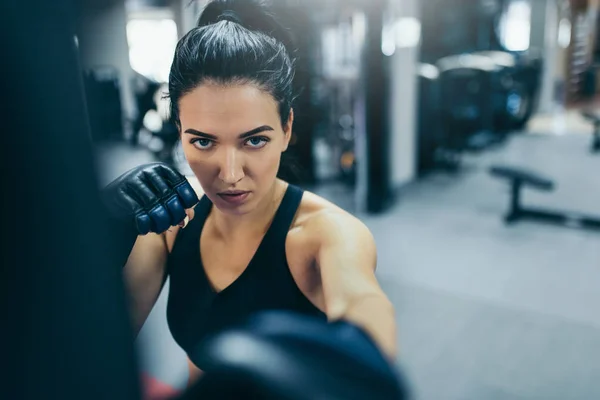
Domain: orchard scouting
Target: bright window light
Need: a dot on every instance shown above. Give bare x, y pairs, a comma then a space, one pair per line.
515, 26
564, 33
408, 32
152, 45
402, 33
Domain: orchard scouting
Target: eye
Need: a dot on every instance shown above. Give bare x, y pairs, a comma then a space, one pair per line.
257, 142
202, 144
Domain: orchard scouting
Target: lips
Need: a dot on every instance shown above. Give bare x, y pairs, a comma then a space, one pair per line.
233, 193
234, 197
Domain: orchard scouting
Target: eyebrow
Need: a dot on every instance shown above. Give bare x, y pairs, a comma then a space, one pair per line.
242, 136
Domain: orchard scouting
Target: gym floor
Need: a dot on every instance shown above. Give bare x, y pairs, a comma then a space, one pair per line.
485, 311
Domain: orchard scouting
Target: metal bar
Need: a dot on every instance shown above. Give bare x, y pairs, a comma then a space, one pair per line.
575, 220
515, 202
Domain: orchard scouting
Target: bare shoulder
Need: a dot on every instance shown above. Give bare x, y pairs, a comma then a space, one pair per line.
319, 220
171, 234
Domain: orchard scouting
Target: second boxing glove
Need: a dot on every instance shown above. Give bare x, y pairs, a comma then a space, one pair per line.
148, 198
152, 197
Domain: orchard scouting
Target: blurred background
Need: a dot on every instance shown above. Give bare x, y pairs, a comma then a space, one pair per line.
405, 107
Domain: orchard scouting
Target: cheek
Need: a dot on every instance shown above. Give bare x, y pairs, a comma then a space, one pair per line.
265, 164
199, 165
190, 152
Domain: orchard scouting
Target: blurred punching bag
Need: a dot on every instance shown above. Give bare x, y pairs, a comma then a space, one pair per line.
65, 330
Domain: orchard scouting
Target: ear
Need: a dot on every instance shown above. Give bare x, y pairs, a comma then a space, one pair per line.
287, 130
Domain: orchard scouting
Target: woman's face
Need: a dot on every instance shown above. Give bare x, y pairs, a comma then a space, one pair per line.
233, 139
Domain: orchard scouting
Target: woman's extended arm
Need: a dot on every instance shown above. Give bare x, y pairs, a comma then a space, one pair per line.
346, 257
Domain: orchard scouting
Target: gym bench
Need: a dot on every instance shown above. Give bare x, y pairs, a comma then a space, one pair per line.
519, 178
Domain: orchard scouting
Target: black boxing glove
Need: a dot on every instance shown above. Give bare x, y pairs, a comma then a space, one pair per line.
280, 355
148, 198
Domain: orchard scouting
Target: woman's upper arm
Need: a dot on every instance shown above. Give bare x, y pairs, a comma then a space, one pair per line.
146, 267
144, 275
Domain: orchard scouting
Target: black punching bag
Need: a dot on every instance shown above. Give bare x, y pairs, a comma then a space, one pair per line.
65, 330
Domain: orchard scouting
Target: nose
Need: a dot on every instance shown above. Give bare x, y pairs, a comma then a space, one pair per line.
231, 169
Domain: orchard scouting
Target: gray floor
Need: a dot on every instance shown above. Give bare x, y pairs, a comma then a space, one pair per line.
494, 312
485, 311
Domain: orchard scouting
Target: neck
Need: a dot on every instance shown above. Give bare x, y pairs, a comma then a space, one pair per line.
258, 220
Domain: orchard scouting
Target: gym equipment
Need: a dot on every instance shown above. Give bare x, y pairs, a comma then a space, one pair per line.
467, 83
469, 102
351, 79
483, 96
519, 178
594, 119
528, 73
512, 98
287, 356
66, 333
471, 27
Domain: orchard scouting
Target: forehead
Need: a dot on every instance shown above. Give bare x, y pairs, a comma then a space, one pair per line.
215, 109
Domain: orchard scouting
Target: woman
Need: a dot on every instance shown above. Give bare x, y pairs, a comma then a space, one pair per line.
254, 242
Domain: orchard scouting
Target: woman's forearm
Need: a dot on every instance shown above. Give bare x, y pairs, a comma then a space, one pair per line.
375, 314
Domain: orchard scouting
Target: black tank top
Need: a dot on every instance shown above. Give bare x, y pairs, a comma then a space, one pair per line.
195, 309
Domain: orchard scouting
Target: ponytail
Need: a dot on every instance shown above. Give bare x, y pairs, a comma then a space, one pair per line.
254, 15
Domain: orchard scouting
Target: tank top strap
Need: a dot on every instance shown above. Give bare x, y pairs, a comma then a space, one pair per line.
277, 233
202, 210
186, 245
